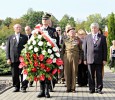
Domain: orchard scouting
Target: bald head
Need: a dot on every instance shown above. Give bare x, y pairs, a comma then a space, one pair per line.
17, 28
28, 30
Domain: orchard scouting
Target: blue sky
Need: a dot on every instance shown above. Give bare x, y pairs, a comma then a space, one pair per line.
79, 9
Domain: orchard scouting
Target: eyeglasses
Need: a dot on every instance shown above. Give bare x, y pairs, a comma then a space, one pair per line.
58, 30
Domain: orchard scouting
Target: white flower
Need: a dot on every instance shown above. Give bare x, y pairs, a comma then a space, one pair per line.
35, 49
43, 52
54, 60
34, 42
49, 51
39, 36
40, 43
51, 56
57, 54
48, 44
55, 49
32, 37
30, 47
29, 41
61, 67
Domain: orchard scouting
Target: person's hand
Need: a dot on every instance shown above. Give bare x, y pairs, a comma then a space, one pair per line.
85, 62
104, 62
8, 61
79, 61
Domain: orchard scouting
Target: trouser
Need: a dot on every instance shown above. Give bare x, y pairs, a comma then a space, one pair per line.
16, 72
112, 63
92, 68
82, 74
70, 70
44, 86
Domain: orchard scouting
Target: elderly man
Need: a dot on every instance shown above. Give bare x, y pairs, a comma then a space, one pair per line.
15, 44
95, 55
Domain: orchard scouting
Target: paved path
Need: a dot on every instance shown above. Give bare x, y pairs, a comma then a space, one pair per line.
60, 94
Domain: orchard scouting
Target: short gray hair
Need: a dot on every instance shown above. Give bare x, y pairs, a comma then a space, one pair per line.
94, 24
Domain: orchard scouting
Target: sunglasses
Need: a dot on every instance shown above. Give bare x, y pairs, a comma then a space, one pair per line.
58, 30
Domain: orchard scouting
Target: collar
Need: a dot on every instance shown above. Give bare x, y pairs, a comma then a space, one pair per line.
17, 34
95, 34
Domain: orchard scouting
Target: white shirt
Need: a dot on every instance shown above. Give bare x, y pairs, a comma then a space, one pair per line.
95, 38
17, 37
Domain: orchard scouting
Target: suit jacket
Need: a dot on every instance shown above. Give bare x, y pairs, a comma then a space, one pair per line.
13, 49
53, 34
95, 53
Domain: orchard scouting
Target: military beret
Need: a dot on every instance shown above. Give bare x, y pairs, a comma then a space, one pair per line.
72, 28
46, 16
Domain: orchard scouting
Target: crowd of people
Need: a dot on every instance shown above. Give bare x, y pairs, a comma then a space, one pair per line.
84, 57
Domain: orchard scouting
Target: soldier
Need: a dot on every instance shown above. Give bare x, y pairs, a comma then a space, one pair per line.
72, 56
44, 85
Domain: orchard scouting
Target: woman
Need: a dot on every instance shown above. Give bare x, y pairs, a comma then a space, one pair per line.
82, 68
112, 54
72, 55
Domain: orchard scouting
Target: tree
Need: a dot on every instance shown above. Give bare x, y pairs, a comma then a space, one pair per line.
111, 30
7, 21
92, 18
66, 20
32, 18
55, 22
80, 25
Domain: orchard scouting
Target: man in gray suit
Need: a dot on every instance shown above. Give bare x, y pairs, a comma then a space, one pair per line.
95, 55
15, 44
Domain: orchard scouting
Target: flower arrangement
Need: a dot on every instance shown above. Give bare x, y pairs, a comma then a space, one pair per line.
40, 59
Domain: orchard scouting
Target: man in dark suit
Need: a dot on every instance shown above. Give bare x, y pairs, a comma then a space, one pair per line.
95, 55
44, 85
15, 44
25, 82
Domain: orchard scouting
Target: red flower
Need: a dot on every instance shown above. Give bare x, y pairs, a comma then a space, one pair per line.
30, 61
35, 56
59, 62
36, 79
35, 63
42, 77
49, 61
25, 72
59, 71
47, 69
49, 78
38, 26
27, 55
22, 64
34, 70
21, 59
41, 57
42, 66
54, 71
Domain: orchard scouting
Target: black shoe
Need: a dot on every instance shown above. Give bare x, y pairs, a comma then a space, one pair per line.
100, 92
41, 94
92, 91
47, 95
16, 90
23, 90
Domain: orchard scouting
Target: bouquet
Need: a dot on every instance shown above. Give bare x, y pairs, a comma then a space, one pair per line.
40, 59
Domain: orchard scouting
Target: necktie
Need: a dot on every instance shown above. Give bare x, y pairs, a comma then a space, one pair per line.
94, 39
